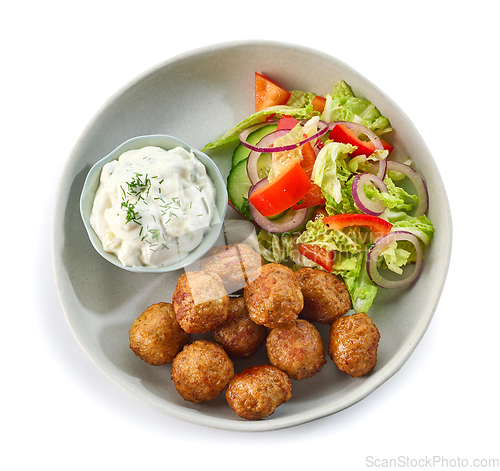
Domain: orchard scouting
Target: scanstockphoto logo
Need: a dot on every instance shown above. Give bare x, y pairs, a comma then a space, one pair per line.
436, 461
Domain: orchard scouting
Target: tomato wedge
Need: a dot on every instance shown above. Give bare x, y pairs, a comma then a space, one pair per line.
283, 192
268, 93
318, 103
314, 197
341, 133
308, 158
378, 226
323, 257
287, 122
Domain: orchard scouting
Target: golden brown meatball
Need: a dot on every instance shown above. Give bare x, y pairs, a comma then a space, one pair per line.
156, 336
297, 349
233, 263
353, 344
201, 371
200, 301
274, 298
325, 297
240, 336
256, 392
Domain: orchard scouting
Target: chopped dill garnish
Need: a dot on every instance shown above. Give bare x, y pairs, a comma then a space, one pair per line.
155, 234
131, 214
136, 187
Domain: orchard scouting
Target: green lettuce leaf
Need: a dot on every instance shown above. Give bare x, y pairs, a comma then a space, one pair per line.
342, 105
420, 226
300, 99
346, 205
362, 163
275, 248
328, 172
282, 248
256, 118
359, 285
395, 257
349, 240
401, 253
396, 197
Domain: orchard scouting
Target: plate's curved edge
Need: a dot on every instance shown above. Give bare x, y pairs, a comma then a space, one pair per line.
278, 423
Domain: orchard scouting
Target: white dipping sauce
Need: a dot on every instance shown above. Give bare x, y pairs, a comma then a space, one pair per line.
153, 206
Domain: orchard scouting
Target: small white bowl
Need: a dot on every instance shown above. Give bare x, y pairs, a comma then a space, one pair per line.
167, 143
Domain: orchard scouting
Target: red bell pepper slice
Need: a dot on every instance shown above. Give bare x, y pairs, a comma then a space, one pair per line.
283, 192
341, 133
323, 257
378, 226
268, 93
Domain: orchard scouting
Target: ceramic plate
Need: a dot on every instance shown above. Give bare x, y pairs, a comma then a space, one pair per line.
196, 97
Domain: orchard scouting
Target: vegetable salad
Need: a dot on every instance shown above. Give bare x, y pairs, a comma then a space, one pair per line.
316, 175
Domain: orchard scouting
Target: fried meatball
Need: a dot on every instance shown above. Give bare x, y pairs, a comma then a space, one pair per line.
201, 371
353, 344
297, 349
256, 392
240, 336
274, 298
233, 263
325, 297
156, 336
200, 301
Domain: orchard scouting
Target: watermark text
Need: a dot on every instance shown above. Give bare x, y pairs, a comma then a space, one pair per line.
436, 461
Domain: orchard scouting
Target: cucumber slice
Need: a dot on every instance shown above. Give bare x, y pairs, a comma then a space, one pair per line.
278, 216
241, 152
264, 165
238, 185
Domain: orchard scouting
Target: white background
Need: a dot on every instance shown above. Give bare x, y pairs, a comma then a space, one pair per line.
62, 60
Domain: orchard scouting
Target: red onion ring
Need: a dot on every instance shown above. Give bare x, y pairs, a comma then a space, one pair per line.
382, 168
253, 158
290, 221
365, 204
244, 134
418, 183
376, 250
377, 143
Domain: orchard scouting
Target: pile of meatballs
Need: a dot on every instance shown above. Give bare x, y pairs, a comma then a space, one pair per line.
278, 307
